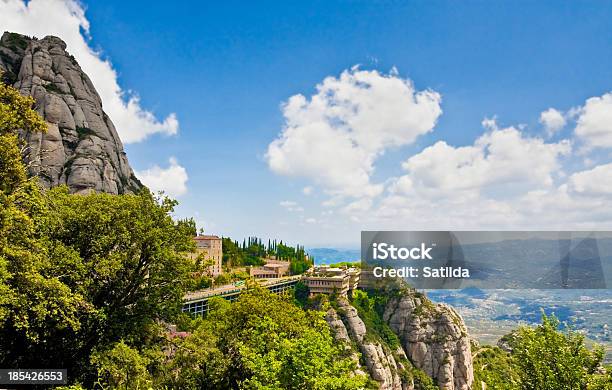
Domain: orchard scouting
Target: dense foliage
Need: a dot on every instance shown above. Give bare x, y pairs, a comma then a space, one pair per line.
253, 252
370, 309
550, 359
301, 293
78, 273
235, 255
496, 368
542, 358
262, 341
109, 268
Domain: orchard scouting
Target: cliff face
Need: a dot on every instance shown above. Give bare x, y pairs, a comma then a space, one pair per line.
434, 343
81, 147
379, 361
434, 337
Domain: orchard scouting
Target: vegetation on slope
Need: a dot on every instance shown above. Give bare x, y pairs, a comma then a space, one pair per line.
542, 358
370, 308
78, 273
495, 368
262, 341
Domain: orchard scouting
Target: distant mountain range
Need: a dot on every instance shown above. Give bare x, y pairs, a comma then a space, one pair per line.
332, 255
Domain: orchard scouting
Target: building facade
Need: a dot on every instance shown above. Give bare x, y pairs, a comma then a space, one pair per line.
210, 248
327, 280
273, 269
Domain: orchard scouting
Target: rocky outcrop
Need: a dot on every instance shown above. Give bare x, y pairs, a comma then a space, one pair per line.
433, 342
341, 336
434, 338
378, 360
81, 147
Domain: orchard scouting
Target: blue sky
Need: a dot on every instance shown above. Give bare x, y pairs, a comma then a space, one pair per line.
225, 68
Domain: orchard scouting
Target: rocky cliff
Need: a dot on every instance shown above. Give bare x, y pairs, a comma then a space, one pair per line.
81, 147
434, 345
434, 338
378, 359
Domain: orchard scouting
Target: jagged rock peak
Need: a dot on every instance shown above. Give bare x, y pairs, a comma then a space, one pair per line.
81, 147
434, 337
378, 360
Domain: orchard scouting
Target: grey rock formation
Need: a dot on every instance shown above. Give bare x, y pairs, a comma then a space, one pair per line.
379, 361
81, 147
434, 337
337, 326
341, 335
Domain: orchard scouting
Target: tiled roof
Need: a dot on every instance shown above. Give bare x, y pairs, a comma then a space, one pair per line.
206, 237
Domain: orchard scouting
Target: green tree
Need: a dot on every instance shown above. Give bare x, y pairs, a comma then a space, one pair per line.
601, 381
495, 368
301, 292
128, 262
263, 341
34, 303
548, 359
18, 196
79, 273
253, 252
109, 268
121, 367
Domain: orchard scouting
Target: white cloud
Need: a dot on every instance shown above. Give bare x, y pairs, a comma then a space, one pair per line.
310, 220
552, 120
360, 205
66, 19
290, 205
594, 123
172, 180
335, 136
596, 181
501, 160
506, 178
307, 190
546, 209
564, 209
